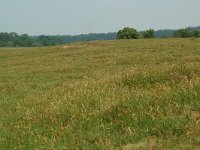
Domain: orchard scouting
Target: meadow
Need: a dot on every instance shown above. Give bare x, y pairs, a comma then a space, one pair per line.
121, 94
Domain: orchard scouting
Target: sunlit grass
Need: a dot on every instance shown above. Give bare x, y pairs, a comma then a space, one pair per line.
134, 94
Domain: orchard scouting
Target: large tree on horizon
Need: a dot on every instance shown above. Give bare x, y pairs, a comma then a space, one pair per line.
127, 33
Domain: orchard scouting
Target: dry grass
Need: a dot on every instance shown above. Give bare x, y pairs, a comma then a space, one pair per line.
135, 94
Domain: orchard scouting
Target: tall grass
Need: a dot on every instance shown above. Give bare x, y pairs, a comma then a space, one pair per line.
136, 94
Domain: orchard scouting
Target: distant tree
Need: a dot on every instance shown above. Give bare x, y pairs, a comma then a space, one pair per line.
127, 33
149, 34
24, 40
183, 33
196, 33
13, 36
36, 44
4, 37
2, 44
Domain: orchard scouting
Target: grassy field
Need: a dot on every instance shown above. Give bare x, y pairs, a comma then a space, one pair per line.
134, 94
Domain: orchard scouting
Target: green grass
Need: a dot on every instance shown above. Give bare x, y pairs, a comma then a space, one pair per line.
125, 94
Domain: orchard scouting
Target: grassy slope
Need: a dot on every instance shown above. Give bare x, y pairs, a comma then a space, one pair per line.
101, 95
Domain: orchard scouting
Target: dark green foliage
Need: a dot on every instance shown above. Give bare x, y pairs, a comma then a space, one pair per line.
164, 33
197, 33
187, 32
127, 33
24, 40
15, 40
183, 33
148, 34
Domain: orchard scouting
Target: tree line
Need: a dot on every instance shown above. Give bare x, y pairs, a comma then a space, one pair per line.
15, 40
132, 33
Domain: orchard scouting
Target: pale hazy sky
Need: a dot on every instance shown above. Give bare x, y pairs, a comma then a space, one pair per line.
37, 17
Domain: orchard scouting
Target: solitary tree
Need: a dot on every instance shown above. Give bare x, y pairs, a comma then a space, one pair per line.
127, 33
149, 33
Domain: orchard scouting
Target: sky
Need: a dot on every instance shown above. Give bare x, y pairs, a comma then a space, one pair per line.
72, 17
